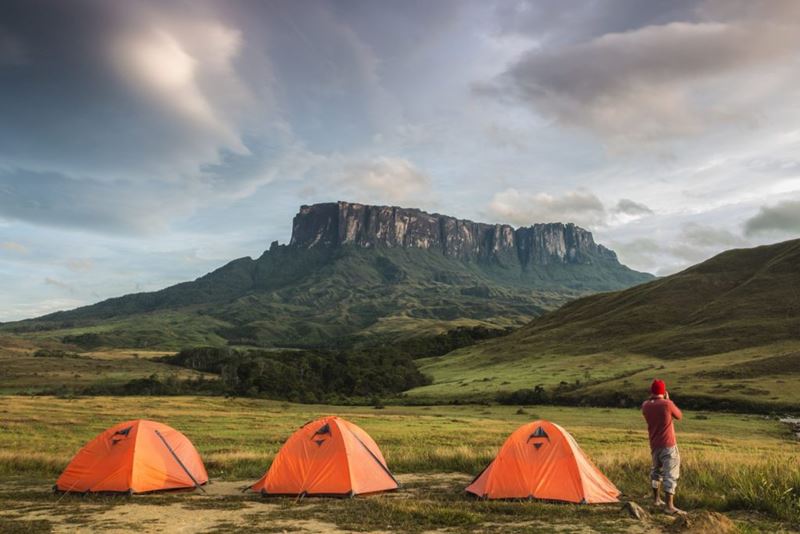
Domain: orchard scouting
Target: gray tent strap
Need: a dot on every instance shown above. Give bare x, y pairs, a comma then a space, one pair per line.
180, 463
386, 469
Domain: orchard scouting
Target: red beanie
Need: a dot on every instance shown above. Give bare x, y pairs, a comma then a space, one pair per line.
658, 387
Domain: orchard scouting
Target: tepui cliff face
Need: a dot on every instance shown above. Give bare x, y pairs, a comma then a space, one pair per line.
344, 223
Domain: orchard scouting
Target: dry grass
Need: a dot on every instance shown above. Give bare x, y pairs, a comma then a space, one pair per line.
730, 462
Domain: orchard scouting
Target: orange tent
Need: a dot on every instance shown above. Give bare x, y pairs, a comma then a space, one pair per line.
136, 457
541, 460
329, 456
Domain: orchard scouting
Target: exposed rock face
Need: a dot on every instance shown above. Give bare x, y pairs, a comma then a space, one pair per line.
344, 223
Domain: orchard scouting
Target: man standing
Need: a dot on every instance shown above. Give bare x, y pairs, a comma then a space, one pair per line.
659, 413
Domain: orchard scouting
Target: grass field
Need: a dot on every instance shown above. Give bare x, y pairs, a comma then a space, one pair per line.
752, 375
741, 465
724, 333
23, 372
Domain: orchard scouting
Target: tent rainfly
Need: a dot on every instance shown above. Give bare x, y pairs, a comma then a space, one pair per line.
136, 456
541, 460
327, 457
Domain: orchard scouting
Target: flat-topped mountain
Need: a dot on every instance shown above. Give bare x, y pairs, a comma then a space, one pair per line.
345, 223
351, 272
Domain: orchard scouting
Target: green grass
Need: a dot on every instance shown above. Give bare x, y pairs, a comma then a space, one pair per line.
731, 462
724, 331
21, 372
479, 372
744, 376
164, 330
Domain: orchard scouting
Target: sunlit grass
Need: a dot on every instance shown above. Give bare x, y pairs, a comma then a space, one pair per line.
730, 461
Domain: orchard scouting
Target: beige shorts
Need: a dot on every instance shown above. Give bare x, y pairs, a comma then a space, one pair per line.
666, 468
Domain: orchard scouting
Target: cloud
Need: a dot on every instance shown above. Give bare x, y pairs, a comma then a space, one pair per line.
160, 109
13, 246
11, 50
783, 217
693, 243
580, 207
185, 71
642, 252
559, 23
26, 308
108, 207
658, 82
80, 265
699, 235
524, 209
123, 90
59, 284
382, 179
629, 207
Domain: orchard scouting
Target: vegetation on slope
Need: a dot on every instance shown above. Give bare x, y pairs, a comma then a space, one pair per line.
353, 374
725, 332
738, 299
296, 297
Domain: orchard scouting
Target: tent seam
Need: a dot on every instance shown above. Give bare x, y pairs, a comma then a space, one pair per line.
372, 454
346, 454
574, 458
133, 455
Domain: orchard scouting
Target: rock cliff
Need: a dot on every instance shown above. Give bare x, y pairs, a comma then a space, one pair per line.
344, 223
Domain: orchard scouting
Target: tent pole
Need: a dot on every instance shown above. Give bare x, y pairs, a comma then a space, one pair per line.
164, 441
377, 461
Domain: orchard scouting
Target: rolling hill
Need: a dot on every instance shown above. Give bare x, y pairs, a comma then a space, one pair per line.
353, 272
725, 331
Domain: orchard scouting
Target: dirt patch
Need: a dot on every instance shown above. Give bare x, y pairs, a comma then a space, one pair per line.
703, 523
178, 517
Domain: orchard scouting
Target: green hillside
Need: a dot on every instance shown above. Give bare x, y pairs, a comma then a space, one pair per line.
727, 329
295, 296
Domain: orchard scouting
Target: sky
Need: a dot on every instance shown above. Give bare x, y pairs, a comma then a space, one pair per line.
145, 143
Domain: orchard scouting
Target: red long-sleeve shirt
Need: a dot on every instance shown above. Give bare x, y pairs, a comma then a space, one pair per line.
659, 414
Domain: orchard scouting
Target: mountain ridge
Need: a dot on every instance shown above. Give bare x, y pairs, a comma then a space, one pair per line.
384, 273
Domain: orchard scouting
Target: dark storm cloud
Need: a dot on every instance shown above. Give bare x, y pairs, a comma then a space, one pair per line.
556, 22
133, 97
11, 50
783, 217
629, 207
657, 81
116, 88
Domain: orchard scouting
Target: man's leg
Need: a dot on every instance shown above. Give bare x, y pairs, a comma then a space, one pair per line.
671, 461
655, 477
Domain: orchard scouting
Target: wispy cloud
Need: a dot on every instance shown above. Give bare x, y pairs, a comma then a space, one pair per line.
781, 218
13, 246
581, 207
59, 284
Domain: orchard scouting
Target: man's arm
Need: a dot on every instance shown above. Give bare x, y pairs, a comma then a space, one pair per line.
675, 411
